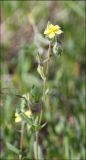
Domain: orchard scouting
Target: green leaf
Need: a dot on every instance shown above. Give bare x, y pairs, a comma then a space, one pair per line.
38, 58
46, 91
40, 156
12, 148
66, 146
36, 93
30, 80
23, 102
57, 48
36, 120
40, 70
43, 125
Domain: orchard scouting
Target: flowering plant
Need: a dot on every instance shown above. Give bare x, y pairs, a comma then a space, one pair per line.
52, 30
25, 113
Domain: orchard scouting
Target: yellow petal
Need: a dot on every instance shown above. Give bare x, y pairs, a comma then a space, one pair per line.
16, 114
51, 35
57, 26
59, 32
18, 119
48, 29
55, 29
52, 30
50, 26
28, 113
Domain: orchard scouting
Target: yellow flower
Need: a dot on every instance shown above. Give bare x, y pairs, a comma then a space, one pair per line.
28, 113
52, 30
19, 119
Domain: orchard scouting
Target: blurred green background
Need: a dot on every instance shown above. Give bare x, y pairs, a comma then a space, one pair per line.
63, 138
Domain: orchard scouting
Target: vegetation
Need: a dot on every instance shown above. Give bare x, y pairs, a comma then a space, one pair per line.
42, 80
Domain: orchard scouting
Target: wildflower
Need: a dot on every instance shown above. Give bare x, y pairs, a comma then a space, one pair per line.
18, 117
52, 30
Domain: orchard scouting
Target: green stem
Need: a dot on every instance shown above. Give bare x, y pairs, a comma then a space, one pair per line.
21, 140
36, 145
48, 59
40, 117
41, 112
44, 84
